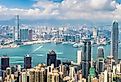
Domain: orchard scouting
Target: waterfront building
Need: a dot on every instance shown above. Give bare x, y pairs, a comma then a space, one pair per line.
24, 34
114, 41
30, 34
79, 56
4, 62
27, 62
51, 58
4, 65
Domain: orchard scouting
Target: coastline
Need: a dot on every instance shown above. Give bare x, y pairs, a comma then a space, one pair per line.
23, 44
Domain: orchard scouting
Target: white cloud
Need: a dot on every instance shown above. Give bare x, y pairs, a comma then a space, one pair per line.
68, 9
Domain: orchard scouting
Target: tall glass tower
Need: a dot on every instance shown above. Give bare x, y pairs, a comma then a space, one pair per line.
114, 41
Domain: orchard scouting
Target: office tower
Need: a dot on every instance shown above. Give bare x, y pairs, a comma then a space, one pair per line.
100, 52
30, 34
14, 33
89, 54
114, 41
18, 29
24, 34
95, 33
4, 65
100, 60
4, 62
27, 62
51, 58
79, 56
86, 59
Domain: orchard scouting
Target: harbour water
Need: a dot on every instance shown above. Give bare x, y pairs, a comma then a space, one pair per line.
39, 52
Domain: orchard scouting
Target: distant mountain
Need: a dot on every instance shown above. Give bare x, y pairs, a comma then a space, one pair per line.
55, 22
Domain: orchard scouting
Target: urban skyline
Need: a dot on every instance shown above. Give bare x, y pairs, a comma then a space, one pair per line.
60, 41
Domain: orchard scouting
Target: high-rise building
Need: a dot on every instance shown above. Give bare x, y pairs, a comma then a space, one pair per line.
114, 41
86, 59
79, 56
4, 65
24, 77
30, 34
100, 52
4, 62
18, 29
27, 62
53, 76
95, 33
89, 54
100, 60
51, 58
24, 34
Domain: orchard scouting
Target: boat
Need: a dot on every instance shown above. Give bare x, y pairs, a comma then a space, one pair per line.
77, 45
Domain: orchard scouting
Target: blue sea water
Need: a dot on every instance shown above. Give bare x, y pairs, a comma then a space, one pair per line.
38, 52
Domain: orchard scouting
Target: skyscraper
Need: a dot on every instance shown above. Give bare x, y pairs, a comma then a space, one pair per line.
24, 34
4, 65
114, 41
100, 52
79, 56
4, 62
86, 59
51, 58
27, 62
100, 60
17, 17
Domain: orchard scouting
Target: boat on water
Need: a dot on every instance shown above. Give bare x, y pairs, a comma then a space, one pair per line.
64, 43
77, 45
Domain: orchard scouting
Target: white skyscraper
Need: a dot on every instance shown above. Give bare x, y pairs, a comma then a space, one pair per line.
79, 56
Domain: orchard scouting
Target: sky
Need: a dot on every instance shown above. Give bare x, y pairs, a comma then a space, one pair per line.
64, 10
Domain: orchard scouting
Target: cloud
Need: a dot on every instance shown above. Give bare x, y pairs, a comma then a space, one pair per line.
93, 10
